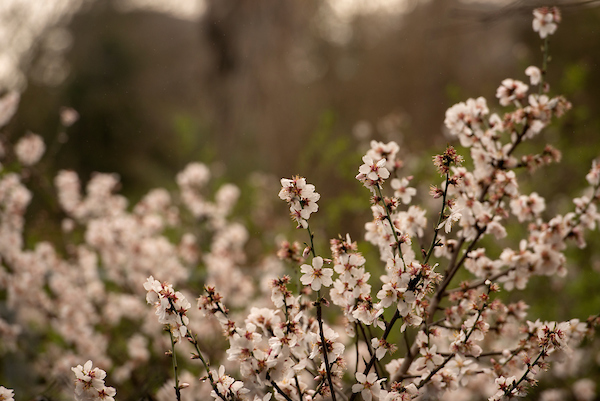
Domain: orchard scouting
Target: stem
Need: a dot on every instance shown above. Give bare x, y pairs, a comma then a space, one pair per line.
544, 65
192, 339
436, 301
357, 354
312, 245
320, 322
177, 389
437, 230
449, 357
452, 272
370, 348
339, 392
278, 389
406, 342
298, 386
512, 148
388, 329
508, 391
378, 366
411, 351
434, 371
481, 282
323, 343
389, 218
198, 355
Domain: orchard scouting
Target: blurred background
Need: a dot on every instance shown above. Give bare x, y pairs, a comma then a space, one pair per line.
282, 88
254, 85
262, 89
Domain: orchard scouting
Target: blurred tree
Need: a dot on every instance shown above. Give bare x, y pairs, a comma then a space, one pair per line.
246, 86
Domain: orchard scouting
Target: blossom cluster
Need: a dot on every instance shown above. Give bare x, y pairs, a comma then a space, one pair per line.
546, 20
301, 197
89, 384
171, 306
80, 288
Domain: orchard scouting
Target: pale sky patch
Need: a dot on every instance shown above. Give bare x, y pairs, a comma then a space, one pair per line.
183, 9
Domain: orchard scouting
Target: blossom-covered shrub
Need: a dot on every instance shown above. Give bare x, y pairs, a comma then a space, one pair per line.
313, 323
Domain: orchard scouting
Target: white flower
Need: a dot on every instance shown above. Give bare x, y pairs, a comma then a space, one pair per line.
334, 349
30, 149
8, 107
88, 377
402, 190
301, 197
6, 394
584, 390
372, 173
89, 384
430, 359
348, 263
368, 386
534, 74
544, 21
593, 177
455, 215
381, 347
194, 175
527, 207
387, 151
316, 275
505, 387
511, 90
171, 307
